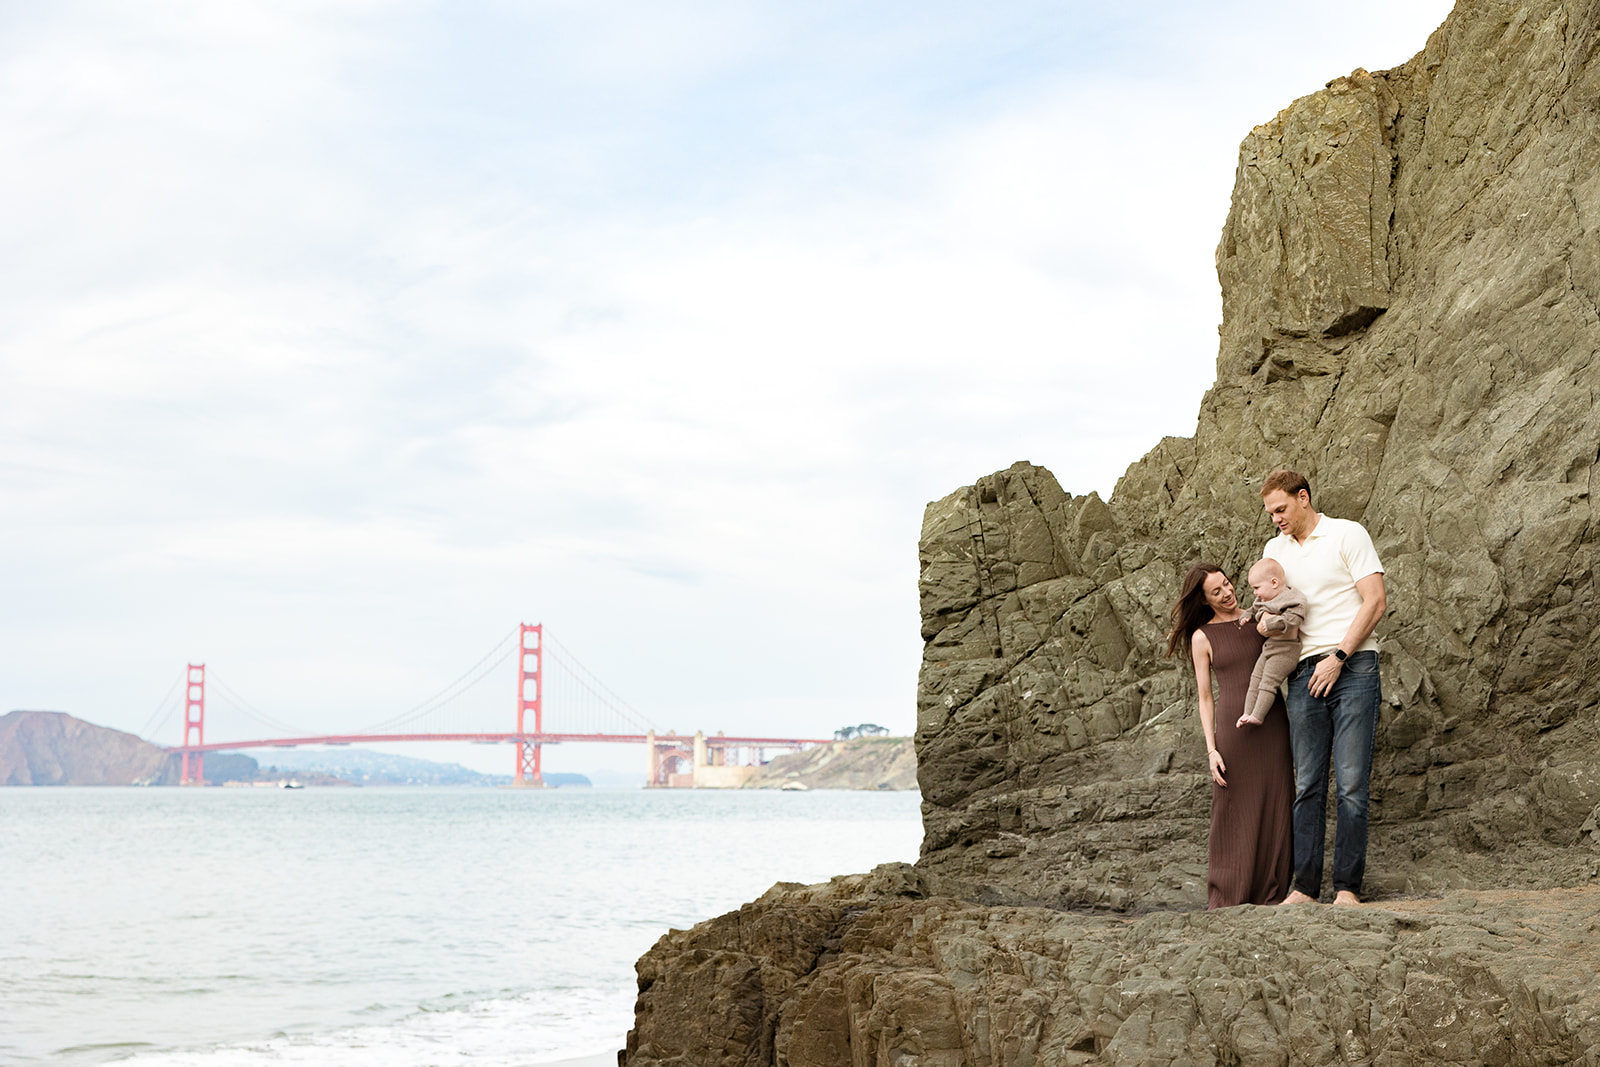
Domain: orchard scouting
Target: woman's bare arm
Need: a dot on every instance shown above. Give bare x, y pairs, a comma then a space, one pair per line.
1200, 652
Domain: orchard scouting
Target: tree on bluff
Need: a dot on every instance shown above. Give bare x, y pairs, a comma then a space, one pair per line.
866, 729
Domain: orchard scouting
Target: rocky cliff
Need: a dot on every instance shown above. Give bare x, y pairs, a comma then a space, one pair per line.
860, 763
1411, 313
867, 970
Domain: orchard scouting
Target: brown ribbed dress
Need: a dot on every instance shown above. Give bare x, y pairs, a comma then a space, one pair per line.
1252, 838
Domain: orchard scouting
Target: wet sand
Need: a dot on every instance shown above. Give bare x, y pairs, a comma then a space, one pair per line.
599, 1059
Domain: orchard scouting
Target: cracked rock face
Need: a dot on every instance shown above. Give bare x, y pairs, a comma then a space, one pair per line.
864, 971
1411, 297
1411, 275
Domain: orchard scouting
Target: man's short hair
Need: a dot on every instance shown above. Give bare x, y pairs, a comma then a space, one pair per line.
1291, 482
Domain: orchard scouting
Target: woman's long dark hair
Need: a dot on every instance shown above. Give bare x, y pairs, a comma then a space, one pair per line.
1191, 611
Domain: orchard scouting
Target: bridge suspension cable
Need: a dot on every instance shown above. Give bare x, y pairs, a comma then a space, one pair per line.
230, 696
601, 697
456, 689
167, 705
567, 690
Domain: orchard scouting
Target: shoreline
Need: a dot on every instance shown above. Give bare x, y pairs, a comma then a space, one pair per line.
598, 1059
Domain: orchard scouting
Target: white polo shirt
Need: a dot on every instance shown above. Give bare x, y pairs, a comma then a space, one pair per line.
1336, 554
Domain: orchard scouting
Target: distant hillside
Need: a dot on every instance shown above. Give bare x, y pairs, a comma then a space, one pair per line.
365, 767
53, 748
863, 763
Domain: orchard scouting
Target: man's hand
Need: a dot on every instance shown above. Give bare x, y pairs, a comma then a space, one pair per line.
1326, 673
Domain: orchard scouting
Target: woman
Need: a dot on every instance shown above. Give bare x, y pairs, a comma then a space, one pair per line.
1252, 772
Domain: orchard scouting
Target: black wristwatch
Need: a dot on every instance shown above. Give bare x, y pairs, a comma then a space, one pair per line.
1340, 654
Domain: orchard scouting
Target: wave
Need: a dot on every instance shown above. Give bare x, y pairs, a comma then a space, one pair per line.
514, 1031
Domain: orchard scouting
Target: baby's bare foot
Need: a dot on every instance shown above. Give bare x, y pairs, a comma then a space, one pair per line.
1247, 720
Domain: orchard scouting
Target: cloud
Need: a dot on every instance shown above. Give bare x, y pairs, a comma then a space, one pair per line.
339, 337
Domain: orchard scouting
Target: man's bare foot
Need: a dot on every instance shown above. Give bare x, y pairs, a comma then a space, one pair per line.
1347, 898
1298, 897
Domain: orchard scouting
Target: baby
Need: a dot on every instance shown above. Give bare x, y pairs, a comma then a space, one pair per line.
1284, 611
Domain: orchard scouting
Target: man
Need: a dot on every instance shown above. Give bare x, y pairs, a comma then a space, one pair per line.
1333, 692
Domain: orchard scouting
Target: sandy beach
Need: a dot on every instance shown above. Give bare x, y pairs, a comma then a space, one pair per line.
599, 1059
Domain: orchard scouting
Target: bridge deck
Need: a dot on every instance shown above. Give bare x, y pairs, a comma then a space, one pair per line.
717, 741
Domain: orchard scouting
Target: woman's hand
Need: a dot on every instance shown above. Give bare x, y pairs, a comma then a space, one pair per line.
1218, 768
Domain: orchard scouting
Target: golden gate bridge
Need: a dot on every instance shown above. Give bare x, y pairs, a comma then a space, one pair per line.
580, 701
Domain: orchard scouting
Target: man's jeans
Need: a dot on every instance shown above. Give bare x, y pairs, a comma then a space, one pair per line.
1340, 724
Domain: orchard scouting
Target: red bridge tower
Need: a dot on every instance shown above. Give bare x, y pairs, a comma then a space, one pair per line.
530, 678
194, 723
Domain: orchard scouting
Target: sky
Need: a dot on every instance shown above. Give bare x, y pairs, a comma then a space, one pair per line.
339, 337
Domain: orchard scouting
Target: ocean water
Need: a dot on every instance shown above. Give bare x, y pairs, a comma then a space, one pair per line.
401, 927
